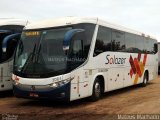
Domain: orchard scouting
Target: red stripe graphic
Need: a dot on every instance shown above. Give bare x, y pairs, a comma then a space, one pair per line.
131, 73
145, 59
139, 57
136, 66
133, 68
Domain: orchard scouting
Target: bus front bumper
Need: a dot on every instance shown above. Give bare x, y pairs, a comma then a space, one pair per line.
42, 92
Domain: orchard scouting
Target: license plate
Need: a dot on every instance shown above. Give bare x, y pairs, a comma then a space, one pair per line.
33, 95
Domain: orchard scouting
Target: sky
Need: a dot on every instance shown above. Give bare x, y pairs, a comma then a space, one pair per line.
140, 15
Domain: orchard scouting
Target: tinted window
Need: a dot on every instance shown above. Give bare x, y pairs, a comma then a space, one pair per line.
130, 42
2, 36
152, 43
103, 41
87, 36
139, 44
77, 46
41, 53
149, 45
12, 42
118, 43
114, 40
10, 46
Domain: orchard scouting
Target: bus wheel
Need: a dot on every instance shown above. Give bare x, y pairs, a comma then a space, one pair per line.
145, 80
97, 90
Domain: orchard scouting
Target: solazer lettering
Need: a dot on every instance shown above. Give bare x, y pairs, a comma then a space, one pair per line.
114, 60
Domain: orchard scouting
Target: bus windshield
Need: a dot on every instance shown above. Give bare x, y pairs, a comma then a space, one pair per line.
2, 36
9, 35
41, 53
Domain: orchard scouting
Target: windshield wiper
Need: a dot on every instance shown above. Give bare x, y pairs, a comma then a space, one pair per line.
38, 53
29, 59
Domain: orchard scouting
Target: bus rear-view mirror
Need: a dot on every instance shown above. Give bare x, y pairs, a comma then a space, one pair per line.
68, 37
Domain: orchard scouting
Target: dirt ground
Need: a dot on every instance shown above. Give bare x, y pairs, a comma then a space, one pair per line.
132, 100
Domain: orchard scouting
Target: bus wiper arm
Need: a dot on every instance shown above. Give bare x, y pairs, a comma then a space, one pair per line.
30, 58
37, 56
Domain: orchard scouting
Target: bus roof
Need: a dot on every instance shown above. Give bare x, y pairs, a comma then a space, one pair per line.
11, 21
75, 20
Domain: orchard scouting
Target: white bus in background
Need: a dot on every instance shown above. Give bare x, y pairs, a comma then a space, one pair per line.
72, 58
10, 31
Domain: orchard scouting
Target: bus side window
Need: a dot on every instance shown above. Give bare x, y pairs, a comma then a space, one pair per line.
130, 43
118, 42
103, 41
155, 48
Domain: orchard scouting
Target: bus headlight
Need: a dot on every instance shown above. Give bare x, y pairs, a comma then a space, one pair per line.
59, 83
15, 79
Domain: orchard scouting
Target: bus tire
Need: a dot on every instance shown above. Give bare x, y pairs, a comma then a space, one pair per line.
145, 80
97, 90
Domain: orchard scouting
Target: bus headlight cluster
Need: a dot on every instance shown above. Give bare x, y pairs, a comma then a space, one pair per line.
15, 79
59, 83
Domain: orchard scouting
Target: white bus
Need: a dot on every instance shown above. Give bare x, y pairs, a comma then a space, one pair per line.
72, 58
10, 31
